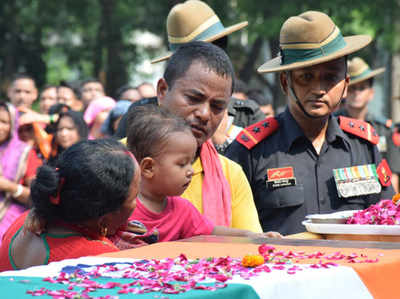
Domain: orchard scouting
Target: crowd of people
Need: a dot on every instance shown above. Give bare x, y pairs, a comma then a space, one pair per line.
199, 153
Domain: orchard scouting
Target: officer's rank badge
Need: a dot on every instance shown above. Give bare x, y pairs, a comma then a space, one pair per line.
357, 180
280, 177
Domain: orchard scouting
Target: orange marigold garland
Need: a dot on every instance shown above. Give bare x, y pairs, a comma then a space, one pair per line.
396, 198
252, 260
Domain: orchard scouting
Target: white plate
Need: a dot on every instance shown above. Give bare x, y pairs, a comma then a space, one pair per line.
337, 217
351, 229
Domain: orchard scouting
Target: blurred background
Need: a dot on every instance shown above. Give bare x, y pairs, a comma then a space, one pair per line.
114, 40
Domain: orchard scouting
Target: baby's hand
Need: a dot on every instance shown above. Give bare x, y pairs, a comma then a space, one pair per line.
33, 223
273, 235
124, 239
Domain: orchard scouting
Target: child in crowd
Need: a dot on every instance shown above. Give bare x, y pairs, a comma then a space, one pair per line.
165, 149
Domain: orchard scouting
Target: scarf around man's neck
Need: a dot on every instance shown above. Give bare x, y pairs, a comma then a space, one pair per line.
216, 189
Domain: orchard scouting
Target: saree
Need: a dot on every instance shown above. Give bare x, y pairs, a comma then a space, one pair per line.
13, 160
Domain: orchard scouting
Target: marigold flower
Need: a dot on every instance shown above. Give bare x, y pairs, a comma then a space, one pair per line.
252, 260
396, 198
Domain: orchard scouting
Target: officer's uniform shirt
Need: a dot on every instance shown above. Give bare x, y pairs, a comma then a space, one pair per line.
244, 112
386, 146
396, 142
284, 208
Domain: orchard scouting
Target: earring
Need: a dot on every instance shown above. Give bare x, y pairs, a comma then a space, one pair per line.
103, 231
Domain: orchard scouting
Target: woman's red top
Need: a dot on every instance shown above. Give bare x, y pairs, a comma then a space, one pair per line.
58, 246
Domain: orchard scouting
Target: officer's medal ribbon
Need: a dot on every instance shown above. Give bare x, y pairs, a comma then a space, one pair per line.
357, 180
280, 177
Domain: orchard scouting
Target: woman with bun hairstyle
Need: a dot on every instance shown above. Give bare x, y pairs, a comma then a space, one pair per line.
86, 198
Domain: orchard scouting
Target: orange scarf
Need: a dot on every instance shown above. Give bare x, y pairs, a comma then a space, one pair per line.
215, 189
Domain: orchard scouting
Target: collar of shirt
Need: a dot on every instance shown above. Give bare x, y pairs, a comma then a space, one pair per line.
335, 133
292, 131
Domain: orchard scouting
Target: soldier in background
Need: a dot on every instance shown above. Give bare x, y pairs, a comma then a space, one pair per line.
182, 22
194, 20
265, 103
359, 94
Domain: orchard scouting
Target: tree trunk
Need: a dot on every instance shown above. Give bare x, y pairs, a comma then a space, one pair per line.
99, 46
10, 58
116, 73
248, 68
279, 99
395, 72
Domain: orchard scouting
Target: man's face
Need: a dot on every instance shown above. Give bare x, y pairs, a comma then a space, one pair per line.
318, 88
359, 95
130, 95
239, 96
147, 91
268, 110
47, 99
90, 91
200, 96
22, 93
66, 96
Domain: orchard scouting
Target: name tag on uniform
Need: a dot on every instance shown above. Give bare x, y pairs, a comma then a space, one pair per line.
280, 177
357, 180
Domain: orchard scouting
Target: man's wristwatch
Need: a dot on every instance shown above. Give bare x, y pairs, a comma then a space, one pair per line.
222, 147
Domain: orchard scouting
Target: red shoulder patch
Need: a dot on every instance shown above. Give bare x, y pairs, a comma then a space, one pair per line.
253, 134
384, 173
359, 128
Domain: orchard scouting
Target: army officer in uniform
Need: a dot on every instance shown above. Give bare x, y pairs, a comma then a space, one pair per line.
360, 93
305, 160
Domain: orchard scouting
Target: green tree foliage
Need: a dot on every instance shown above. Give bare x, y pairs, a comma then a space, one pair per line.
376, 18
75, 39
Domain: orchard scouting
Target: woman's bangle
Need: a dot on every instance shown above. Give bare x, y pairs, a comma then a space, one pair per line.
19, 191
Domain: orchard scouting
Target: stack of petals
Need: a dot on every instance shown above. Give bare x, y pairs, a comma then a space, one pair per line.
384, 212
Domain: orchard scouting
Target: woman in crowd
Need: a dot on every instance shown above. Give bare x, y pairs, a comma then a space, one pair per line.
111, 123
96, 113
69, 129
14, 193
90, 194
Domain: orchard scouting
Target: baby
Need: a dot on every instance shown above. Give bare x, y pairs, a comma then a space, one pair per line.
165, 148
